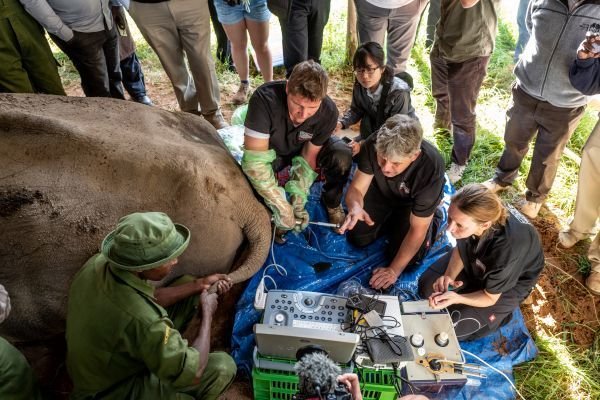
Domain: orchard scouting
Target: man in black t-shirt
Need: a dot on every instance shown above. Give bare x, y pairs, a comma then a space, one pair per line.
291, 123
396, 190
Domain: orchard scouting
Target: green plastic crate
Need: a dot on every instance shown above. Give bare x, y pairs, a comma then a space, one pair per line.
271, 384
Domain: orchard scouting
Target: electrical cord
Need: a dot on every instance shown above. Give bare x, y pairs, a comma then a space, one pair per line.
495, 369
318, 246
459, 320
399, 376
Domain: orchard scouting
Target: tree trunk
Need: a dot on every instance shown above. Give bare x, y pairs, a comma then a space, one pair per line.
352, 37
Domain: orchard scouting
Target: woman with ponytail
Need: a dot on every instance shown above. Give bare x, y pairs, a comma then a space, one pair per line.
493, 268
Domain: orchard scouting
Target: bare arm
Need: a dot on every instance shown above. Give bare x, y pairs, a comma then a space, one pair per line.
169, 295
355, 201
468, 3
455, 266
310, 153
383, 278
412, 242
480, 298
208, 305
252, 143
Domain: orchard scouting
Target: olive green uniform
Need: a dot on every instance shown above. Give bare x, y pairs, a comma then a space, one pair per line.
26, 61
122, 345
17, 381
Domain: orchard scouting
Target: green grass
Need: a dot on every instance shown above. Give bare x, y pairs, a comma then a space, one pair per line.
560, 371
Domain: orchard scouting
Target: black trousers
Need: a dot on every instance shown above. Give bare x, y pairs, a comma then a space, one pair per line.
302, 24
335, 162
391, 218
96, 58
471, 322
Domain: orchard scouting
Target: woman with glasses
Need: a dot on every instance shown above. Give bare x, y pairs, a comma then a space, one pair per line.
376, 96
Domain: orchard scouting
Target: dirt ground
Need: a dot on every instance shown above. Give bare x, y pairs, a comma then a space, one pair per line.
560, 303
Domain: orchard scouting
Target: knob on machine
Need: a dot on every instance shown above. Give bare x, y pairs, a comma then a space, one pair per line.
442, 339
417, 340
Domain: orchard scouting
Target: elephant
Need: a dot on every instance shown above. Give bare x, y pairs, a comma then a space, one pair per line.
71, 167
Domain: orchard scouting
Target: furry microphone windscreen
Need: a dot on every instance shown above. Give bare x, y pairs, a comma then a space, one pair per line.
314, 371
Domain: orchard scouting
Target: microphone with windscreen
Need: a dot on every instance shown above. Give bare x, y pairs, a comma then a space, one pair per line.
318, 375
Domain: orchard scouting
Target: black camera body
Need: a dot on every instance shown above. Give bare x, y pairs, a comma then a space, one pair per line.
340, 392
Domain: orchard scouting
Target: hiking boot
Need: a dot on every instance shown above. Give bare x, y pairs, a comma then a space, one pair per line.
241, 95
494, 186
569, 238
336, 215
530, 209
455, 172
593, 282
216, 119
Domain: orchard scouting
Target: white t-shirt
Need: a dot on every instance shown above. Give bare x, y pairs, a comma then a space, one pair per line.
389, 3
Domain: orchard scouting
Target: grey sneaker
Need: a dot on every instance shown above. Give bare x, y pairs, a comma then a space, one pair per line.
494, 186
569, 238
216, 119
455, 172
593, 282
241, 95
530, 209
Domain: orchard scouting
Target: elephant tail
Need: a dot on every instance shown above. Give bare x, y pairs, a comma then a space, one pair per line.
256, 226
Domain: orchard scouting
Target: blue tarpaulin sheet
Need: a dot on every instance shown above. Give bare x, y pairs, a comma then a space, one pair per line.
319, 260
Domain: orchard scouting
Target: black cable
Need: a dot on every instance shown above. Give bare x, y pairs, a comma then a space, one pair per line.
398, 376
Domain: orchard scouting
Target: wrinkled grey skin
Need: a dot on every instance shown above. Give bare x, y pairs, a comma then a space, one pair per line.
71, 167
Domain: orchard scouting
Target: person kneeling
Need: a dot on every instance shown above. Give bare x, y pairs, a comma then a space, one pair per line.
121, 342
396, 189
493, 268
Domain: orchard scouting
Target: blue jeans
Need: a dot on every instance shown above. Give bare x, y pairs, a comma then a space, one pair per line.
523, 32
133, 77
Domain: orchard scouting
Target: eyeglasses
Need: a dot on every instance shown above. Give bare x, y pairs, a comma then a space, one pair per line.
366, 71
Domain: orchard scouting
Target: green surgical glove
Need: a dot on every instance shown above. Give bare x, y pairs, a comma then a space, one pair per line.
257, 167
302, 177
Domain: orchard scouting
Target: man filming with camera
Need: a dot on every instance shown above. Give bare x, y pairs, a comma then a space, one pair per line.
321, 379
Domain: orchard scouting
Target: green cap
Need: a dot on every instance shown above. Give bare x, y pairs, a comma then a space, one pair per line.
144, 241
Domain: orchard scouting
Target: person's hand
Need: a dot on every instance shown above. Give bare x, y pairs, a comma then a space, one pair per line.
442, 283
338, 127
208, 303
355, 214
222, 281
206, 282
439, 300
590, 47
383, 278
283, 217
119, 17
300, 213
351, 382
355, 146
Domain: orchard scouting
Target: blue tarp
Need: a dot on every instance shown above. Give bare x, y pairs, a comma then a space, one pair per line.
319, 260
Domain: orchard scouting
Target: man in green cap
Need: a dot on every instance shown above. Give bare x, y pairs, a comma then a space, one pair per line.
123, 339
